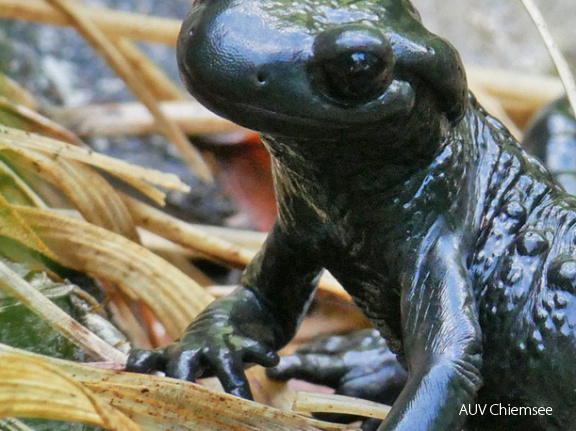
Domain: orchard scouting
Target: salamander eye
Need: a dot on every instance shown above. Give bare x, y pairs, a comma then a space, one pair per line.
352, 64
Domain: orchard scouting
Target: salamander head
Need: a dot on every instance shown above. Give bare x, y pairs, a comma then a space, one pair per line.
319, 68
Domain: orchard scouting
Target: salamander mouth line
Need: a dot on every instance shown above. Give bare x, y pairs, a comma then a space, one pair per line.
389, 97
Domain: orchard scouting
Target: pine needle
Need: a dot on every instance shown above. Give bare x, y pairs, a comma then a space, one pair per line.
103, 45
112, 22
560, 62
330, 403
154, 77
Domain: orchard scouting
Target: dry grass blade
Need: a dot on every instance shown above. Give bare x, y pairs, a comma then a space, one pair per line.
96, 199
187, 235
23, 118
520, 95
198, 239
248, 239
91, 194
134, 119
157, 403
16, 286
13, 138
12, 91
19, 191
559, 61
12, 225
329, 403
492, 105
117, 23
30, 387
102, 44
512, 87
175, 298
154, 77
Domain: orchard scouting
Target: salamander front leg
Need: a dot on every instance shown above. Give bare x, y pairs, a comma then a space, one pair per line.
247, 326
441, 338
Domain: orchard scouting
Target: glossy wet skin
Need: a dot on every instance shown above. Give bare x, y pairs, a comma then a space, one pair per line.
525, 346
289, 67
387, 174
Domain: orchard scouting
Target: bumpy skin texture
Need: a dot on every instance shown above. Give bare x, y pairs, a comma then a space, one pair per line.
454, 242
361, 364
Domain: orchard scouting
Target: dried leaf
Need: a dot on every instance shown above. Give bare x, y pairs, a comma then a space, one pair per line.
12, 91
16, 190
30, 387
16, 139
13, 226
86, 189
175, 298
158, 403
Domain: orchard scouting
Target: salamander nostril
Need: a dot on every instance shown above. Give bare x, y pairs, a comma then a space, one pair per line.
352, 64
